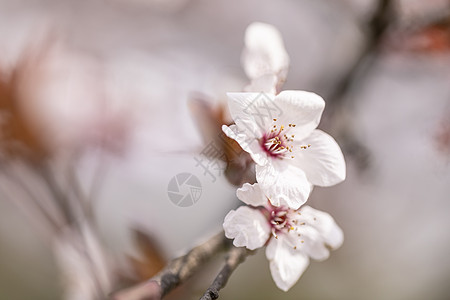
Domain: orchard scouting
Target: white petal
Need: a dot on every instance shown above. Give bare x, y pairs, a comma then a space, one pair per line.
323, 162
254, 110
283, 185
247, 142
264, 51
251, 194
329, 231
304, 109
310, 243
247, 226
286, 263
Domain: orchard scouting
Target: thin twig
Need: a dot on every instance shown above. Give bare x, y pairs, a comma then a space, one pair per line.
47, 217
61, 199
234, 258
175, 273
74, 212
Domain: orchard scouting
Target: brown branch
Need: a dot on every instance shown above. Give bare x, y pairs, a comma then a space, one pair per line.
35, 205
44, 171
376, 29
175, 273
234, 258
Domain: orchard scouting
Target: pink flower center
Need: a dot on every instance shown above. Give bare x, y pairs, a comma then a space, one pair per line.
278, 219
277, 143
284, 220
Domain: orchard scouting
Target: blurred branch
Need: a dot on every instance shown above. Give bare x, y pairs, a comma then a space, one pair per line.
234, 258
61, 199
46, 217
176, 272
84, 203
376, 28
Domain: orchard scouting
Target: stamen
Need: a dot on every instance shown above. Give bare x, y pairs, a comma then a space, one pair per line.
276, 142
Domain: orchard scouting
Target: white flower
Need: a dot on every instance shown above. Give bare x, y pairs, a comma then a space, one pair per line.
292, 236
264, 58
279, 132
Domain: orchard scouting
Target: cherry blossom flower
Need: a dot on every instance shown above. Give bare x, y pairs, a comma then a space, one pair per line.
292, 236
291, 155
264, 58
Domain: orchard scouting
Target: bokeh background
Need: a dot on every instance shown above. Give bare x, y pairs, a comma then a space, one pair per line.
105, 88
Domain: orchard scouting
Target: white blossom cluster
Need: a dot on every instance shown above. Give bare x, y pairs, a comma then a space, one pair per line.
279, 131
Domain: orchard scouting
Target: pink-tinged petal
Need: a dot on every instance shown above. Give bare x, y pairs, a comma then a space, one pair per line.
264, 51
286, 263
323, 161
302, 109
247, 226
254, 112
330, 233
283, 185
251, 194
252, 108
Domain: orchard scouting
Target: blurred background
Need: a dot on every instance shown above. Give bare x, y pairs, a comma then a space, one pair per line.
96, 121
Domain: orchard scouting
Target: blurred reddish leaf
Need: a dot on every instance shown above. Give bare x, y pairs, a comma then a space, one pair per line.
209, 119
18, 138
152, 259
442, 137
431, 38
